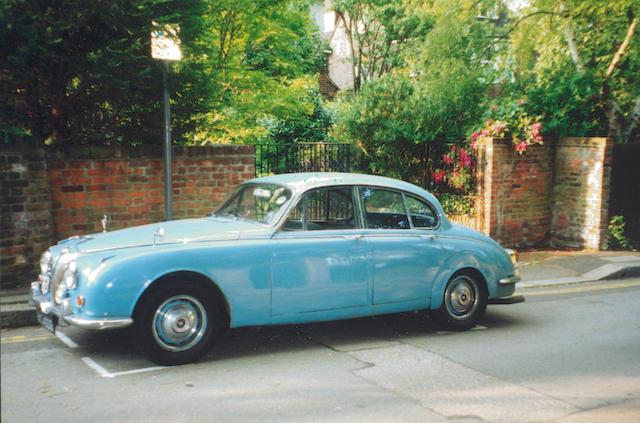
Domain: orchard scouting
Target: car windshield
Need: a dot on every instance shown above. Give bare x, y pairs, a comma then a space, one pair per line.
255, 201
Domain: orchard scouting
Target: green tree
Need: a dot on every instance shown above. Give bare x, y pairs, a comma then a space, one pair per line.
380, 33
434, 99
80, 71
258, 56
581, 60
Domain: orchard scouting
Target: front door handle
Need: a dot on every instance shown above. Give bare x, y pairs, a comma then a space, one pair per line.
431, 237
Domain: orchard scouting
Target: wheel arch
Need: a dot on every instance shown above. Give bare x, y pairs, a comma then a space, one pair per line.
467, 262
191, 276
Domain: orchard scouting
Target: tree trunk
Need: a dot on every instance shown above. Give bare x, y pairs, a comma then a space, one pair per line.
571, 40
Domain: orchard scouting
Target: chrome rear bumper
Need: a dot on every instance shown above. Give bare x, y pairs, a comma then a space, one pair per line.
510, 280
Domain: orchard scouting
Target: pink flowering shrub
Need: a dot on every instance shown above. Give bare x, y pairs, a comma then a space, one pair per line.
510, 121
457, 170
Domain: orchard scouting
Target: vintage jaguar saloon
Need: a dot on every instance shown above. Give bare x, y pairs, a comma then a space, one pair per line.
280, 249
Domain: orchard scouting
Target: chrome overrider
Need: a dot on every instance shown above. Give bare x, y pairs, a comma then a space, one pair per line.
515, 278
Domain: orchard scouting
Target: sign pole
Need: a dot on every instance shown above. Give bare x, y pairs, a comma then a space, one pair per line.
165, 46
168, 183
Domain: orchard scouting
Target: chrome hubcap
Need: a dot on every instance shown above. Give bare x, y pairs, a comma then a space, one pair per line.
462, 298
179, 323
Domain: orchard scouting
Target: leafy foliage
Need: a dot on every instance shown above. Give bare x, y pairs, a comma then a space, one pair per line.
568, 102
616, 238
80, 71
310, 124
402, 117
566, 56
381, 34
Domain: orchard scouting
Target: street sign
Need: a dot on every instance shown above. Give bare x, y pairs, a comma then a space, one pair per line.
165, 43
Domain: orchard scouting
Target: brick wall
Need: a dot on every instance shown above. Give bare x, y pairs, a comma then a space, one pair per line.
554, 195
581, 192
51, 195
26, 228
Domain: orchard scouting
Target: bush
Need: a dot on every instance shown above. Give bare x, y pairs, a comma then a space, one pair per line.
616, 239
568, 103
397, 118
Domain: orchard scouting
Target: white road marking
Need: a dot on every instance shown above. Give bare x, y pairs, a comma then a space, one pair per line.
105, 373
64, 338
95, 366
130, 372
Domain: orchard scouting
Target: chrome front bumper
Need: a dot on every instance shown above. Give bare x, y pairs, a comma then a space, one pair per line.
62, 314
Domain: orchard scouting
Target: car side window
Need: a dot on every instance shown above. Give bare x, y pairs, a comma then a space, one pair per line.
323, 209
423, 215
383, 209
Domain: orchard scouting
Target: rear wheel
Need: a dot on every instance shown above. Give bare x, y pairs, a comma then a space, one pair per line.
464, 302
177, 322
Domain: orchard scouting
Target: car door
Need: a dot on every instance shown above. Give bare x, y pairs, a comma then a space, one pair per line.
319, 261
403, 245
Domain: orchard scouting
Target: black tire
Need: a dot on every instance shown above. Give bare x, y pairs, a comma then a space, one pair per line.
177, 322
464, 302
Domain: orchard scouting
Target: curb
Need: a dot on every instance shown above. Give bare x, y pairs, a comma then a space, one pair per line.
16, 312
17, 316
605, 272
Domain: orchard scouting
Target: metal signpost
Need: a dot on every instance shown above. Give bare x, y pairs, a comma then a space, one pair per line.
165, 46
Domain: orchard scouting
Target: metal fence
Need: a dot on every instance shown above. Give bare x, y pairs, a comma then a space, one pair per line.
343, 157
307, 157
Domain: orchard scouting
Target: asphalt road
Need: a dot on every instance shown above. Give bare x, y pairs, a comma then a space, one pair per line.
568, 354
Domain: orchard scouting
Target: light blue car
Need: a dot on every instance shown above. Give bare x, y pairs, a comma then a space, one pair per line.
281, 249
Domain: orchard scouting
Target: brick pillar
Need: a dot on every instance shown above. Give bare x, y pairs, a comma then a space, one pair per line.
514, 204
581, 192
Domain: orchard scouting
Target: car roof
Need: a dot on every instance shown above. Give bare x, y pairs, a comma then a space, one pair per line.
298, 182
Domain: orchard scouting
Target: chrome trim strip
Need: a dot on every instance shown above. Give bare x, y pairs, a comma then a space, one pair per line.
99, 323
510, 280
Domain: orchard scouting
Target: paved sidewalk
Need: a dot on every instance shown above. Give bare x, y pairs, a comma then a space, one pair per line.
537, 268
540, 268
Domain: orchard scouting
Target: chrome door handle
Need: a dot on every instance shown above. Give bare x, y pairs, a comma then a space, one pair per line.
429, 237
357, 237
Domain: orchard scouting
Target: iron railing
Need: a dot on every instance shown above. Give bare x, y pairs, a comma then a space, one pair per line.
307, 157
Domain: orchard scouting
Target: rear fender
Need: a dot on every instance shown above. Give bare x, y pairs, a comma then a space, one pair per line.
460, 261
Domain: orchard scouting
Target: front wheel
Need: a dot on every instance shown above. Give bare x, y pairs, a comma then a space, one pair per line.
177, 323
464, 302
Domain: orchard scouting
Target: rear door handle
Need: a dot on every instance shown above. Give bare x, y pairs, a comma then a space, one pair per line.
431, 237
357, 237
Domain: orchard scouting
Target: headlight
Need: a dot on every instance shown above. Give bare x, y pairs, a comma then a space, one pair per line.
70, 277
61, 293
45, 262
68, 281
